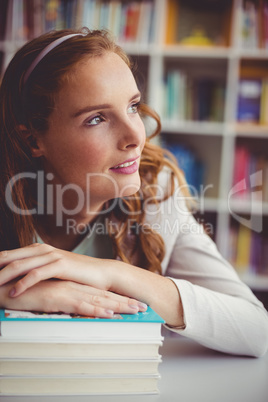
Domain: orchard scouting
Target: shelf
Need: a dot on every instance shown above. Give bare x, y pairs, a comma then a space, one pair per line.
244, 207
194, 127
251, 53
196, 51
208, 205
251, 130
255, 281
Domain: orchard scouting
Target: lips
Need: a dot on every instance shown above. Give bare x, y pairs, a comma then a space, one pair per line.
125, 164
127, 167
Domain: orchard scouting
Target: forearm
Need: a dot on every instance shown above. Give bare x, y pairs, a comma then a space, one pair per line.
159, 292
223, 322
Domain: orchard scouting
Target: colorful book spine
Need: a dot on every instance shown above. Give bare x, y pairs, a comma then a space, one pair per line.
264, 103
246, 165
250, 25
248, 250
130, 21
191, 165
198, 99
265, 25
249, 100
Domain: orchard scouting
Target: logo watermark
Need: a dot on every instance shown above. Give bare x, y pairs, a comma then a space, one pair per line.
50, 201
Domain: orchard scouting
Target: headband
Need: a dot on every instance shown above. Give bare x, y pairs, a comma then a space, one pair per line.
45, 51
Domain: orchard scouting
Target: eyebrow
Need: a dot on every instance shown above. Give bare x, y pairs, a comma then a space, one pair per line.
88, 109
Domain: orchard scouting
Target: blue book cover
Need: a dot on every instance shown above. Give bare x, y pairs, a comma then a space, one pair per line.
23, 324
249, 98
16, 315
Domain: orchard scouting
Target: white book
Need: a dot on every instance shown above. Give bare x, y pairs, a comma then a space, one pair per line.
78, 385
83, 366
68, 348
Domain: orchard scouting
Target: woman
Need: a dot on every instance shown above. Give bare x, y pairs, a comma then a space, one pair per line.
93, 216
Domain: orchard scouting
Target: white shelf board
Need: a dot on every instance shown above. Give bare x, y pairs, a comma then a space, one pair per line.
252, 53
194, 127
251, 130
196, 51
246, 206
255, 281
207, 205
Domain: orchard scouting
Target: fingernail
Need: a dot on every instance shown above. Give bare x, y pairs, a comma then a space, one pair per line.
135, 307
12, 292
110, 312
142, 305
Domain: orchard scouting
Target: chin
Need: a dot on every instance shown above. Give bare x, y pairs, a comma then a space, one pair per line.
130, 188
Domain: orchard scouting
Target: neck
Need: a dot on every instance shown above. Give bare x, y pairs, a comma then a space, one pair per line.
67, 235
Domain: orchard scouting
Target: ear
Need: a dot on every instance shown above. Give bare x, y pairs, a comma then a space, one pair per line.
31, 140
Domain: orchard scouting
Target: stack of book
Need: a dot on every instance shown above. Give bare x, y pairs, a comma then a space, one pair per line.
58, 354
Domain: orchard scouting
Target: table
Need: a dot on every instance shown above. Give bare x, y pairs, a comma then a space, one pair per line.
191, 373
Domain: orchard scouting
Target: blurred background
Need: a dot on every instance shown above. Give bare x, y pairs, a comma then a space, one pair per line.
203, 66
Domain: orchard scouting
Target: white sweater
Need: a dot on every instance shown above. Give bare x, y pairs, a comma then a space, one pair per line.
220, 311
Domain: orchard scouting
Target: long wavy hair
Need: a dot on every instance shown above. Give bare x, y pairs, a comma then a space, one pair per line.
30, 105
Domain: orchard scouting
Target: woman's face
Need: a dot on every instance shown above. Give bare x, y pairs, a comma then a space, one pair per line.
95, 136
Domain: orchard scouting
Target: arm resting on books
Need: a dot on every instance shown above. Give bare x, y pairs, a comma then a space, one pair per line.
104, 280
54, 295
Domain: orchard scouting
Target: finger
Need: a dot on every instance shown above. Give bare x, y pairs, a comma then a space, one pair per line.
106, 299
89, 310
22, 267
97, 305
71, 299
49, 270
124, 300
7, 256
86, 309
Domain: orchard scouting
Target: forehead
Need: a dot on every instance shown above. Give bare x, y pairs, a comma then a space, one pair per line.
99, 76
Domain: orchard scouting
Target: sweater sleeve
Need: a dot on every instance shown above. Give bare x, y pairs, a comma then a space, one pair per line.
220, 311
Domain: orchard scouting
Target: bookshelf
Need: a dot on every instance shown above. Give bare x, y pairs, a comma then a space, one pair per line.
206, 47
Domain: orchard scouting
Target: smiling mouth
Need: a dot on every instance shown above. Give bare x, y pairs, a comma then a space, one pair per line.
123, 165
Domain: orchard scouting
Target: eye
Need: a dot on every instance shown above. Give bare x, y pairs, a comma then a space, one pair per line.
134, 108
95, 121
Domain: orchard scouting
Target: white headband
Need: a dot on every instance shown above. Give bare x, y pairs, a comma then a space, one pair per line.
45, 51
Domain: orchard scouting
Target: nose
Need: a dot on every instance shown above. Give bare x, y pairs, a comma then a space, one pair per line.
131, 132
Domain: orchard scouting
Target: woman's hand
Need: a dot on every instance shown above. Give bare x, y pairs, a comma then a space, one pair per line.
29, 266
38, 262
68, 297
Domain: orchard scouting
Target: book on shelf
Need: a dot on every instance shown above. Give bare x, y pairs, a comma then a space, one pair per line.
130, 21
188, 98
264, 102
254, 24
249, 166
248, 250
249, 100
61, 354
191, 165
250, 25
265, 24
242, 261
199, 24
